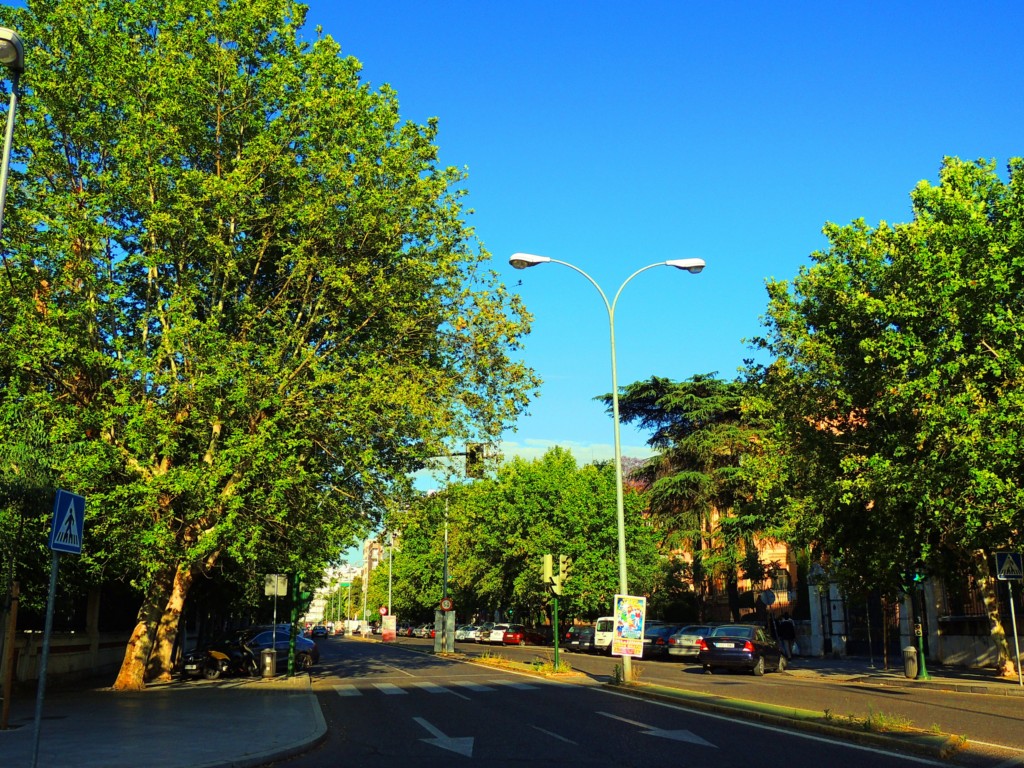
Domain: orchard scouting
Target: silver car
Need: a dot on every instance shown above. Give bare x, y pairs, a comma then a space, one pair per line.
685, 644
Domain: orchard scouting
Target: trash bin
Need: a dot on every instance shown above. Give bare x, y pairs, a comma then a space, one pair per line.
268, 662
910, 661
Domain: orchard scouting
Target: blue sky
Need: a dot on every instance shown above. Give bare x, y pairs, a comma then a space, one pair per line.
616, 135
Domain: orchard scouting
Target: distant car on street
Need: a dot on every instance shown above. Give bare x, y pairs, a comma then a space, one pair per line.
517, 634
604, 631
320, 631
656, 637
740, 646
497, 634
685, 644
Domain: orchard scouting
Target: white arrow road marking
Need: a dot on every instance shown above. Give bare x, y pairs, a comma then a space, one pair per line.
461, 744
686, 736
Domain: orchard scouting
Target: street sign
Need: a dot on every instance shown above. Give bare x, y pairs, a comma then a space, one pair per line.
275, 585
68, 522
1009, 566
383, 610
447, 603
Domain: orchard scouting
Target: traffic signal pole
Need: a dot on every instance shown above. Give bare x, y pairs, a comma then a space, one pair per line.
555, 621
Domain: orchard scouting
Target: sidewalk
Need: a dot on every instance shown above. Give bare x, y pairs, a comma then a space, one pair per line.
870, 672
178, 725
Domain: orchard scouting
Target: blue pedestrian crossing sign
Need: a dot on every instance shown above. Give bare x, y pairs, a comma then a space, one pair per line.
1009, 567
68, 522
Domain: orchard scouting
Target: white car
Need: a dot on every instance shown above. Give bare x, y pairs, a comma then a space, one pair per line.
497, 634
604, 631
465, 632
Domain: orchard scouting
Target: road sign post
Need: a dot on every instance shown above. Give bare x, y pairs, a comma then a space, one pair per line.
1009, 569
65, 536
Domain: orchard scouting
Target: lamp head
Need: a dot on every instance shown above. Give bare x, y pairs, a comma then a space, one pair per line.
12, 52
524, 260
693, 266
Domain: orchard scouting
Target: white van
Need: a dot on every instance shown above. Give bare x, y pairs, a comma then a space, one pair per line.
604, 630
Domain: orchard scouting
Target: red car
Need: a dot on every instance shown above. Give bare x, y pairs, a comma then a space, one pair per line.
517, 634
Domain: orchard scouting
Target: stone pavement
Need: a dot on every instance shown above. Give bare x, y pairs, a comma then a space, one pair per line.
241, 723
192, 724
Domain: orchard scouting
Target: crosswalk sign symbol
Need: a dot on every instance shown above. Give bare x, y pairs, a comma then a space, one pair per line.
68, 522
1009, 567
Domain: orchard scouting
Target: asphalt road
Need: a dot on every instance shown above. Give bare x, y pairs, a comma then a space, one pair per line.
989, 720
391, 705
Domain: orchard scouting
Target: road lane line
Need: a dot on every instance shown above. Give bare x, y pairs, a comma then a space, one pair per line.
435, 688
556, 736
776, 728
478, 687
390, 689
514, 684
398, 669
347, 690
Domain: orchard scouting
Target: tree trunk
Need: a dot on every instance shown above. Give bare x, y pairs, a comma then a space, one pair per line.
160, 666
989, 590
131, 676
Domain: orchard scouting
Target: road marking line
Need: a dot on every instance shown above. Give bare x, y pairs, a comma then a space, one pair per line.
775, 728
347, 690
397, 669
390, 689
479, 687
430, 687
556, 736
514, 684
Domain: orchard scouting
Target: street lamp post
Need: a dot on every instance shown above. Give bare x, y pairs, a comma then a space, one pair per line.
526, 260
12, 56
391, 556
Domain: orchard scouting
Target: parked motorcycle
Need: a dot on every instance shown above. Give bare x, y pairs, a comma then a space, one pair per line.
226, 657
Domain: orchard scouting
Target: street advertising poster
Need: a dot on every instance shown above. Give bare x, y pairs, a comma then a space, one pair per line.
630, 612
389, 625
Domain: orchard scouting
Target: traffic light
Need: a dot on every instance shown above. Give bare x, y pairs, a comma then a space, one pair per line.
475, 456
564, 567
552, 580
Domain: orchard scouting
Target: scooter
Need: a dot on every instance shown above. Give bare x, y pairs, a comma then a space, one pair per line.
217, 661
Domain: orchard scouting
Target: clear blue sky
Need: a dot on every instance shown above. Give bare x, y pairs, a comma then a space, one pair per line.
615, 135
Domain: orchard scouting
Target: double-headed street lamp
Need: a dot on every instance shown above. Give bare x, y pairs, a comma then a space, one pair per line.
525, 260
12, 57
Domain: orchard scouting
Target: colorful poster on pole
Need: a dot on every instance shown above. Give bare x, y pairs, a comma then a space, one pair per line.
389, 626
630, 612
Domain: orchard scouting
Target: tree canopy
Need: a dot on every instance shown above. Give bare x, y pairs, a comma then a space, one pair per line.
499, 529
241, 299
896, 364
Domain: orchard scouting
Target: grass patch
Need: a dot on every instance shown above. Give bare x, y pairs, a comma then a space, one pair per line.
875, 722
539, 666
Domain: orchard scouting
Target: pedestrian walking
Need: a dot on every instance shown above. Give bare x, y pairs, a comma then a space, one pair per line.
787, 635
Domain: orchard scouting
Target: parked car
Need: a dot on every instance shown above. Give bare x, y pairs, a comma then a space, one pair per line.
497, 634
465, 632
685, 643
656, 638
517, 634
740, 646
423, 630
483, 632
583, 640
604, 630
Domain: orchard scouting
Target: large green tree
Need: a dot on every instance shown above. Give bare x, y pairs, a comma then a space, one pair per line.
701, 499
500, 527
895, 379
238, 291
